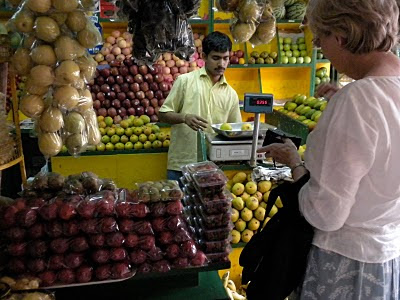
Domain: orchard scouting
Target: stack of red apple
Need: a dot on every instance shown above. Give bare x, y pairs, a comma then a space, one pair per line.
209, 206
175, 246
116, 47
236, 57
129, 90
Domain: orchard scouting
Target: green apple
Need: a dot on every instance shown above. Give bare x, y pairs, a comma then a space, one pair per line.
296, 53
289, 53
115, 139
105, 139
286, 47
303, 53
101, 147
300, 60
292, 60
273, 55
157, 144
284, 59
264, 54
147, 130
302, 47
251, 60
119, 146
129, 146
138, 130
269, 60
145, 118
138, 146
124, 124
102, 131
294, 47
120, 131
109, 147
162, 136
307, 59
134, 138
301, 40
100, 119
155, 128
124, 139
111, 132
128, 131
166, 143
283, 53
138, 122
102, 124
317, 81
320, 56
147, 145
281, 40
287, 40
109, 121
152, 137
142, 138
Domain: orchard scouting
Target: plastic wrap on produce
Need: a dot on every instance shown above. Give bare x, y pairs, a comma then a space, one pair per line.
227, 5
261, 173
266, 30
160, 26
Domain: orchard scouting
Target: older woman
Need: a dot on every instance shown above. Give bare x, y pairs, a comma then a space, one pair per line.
353, 156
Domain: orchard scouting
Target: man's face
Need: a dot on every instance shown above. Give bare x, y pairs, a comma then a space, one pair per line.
216, 62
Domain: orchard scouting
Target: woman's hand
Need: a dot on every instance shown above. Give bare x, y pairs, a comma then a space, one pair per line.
327, 90
285, 153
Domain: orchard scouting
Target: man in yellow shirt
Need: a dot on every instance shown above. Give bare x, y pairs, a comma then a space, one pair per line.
197, 100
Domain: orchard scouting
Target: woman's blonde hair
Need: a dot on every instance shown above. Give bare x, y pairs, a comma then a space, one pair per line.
367, 25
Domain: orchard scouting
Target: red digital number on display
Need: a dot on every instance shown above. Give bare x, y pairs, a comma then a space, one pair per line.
260, 102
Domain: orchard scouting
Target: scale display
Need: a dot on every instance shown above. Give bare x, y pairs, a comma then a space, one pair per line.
258, 103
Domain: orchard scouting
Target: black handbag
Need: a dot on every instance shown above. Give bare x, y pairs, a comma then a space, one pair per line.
274, 261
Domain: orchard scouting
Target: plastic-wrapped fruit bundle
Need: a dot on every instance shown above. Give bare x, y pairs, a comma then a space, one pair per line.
53, 56
164, 190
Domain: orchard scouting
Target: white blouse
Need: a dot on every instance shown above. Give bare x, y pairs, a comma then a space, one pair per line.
353, 155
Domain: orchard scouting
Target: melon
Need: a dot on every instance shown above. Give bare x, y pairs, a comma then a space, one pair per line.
31, 106
296, 11
249, 12
76, 143
22, 62
242, 32
67, 72
76, 21
51, 120
66, 97
34, 89
74, 123
50, 144
89, 37
46, 29
67, 48
40, 6
44, 55
279, 12
65, 5
42, 75
290, 2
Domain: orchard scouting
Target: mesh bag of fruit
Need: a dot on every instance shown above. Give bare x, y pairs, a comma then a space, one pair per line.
54, 58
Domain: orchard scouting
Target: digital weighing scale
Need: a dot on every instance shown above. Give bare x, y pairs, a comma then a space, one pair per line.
238, 145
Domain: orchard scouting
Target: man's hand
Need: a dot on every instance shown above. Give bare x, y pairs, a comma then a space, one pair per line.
327, 90
195, 122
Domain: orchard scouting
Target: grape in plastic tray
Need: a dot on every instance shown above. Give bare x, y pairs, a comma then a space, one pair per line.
216, 234
215, 246
219, 204
219, 256
210, 183
214, 221
201, 167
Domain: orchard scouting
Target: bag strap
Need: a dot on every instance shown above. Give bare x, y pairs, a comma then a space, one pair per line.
288, 192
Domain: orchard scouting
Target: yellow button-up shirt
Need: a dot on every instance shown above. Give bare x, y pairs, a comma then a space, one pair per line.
194, 93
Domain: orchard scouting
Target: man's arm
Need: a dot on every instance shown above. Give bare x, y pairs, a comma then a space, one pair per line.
193, 121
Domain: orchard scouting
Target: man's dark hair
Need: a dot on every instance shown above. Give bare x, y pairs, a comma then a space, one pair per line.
216, 41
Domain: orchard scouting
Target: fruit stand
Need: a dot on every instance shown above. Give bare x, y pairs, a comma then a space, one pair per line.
132, 147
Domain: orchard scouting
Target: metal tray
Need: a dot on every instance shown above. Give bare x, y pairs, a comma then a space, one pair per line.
237, 132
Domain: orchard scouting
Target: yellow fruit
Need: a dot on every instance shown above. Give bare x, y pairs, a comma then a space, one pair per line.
278, 202
264, 186
247, 127
263, 204
239, 177
258, 195
229, 185
273, 211
252, 203
238, 203
238, 189
266, 221
259, 214
253, 224
251, 187
245, 196
249, 177
240, 225
241, 61
247, 235
266, 196
226, 126
234, 215
235, 236
246, 214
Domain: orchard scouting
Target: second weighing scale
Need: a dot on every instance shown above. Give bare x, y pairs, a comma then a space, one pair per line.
230, 145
